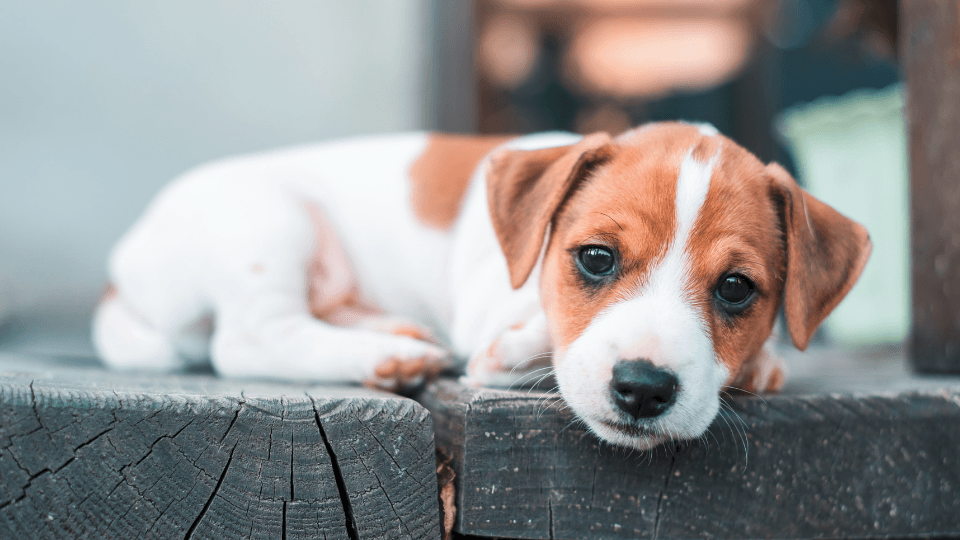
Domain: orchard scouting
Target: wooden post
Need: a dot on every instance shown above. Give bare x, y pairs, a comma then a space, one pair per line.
90, 454
931, 60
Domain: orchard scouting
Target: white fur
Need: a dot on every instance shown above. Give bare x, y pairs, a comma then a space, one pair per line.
484, 303
657, 323
706, 129
232, 240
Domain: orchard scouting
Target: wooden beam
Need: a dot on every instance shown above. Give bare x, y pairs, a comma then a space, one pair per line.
932, 67
87, 453
787, 466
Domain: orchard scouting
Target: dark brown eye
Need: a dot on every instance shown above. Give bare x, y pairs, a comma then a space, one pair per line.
596, 261
734, 289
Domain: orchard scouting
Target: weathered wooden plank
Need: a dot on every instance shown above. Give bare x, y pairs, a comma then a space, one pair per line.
104, 455
785, 466
932, 68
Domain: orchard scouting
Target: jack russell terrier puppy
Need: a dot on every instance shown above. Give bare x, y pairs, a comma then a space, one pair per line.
650, 266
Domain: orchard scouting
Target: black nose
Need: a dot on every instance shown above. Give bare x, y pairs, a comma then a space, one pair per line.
641, 389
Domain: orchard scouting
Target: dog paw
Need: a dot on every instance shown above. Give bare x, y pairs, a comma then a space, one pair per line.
409, 369
764, 375
414, 331
485, 366
517, 358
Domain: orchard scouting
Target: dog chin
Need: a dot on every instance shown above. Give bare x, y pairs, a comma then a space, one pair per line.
625, 436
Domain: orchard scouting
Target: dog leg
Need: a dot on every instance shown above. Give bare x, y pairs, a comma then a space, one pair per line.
269, 332
394, 373
376, 321
335, 298
288, 274
128, 340
265, 329
295, 346
232, 244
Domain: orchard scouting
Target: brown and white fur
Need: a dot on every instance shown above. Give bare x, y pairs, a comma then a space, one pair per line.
382, 259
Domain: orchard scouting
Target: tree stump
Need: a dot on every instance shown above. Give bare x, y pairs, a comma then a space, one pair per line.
87, 453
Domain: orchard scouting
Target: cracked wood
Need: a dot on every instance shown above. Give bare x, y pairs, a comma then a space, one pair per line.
86, 453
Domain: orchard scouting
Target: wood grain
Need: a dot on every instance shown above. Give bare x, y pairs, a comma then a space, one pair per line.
788, 466
85, 453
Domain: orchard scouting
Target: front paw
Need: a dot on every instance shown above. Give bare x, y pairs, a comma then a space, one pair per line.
764, 375
519, 357
484, 366
406, 369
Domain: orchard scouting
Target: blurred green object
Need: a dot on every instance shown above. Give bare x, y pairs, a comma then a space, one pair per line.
851, 153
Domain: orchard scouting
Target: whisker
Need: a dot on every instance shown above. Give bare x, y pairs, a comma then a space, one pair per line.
546, 395
541, 404
540, 380
736, 448
746, 449
550, 394
741, 433
538, 356
745, 392
710, 432
529, 372
527, 377
610, 218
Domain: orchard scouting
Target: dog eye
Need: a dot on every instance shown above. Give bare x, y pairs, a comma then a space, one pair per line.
734, 289
596, 260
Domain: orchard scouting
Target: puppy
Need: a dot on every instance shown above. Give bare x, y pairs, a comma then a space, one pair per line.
649, 266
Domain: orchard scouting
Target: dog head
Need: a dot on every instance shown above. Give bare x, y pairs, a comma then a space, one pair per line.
666, 254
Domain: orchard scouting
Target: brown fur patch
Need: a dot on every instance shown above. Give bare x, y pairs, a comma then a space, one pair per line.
737, 232
440, 176
755, 221
394, 374
627, 204
827, 253
333, 292
109, 292
776, 381
411, 331
387, 368
525, 188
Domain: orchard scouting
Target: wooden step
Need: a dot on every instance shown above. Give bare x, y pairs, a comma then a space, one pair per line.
88, 453
880, 459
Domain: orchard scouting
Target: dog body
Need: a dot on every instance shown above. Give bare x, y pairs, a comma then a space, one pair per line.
650, 266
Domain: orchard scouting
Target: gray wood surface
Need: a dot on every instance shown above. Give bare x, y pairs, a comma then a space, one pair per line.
882, 460
86, 453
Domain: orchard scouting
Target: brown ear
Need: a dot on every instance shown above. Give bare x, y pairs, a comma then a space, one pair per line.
525, 188
826, 253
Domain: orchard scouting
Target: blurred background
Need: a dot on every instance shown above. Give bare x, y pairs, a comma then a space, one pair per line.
102, 102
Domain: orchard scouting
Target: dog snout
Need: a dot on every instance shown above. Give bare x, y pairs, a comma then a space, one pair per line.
642, 389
